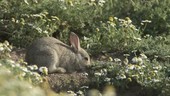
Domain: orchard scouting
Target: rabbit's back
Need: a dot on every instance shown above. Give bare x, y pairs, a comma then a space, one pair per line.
43, 52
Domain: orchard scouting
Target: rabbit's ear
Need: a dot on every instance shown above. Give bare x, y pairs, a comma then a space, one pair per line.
74, 41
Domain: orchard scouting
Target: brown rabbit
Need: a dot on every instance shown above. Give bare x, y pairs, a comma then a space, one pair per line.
57, 56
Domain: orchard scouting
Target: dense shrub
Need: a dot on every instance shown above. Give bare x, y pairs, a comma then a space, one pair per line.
154, 10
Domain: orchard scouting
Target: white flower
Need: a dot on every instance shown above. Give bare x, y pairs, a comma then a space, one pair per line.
156, 80
44, 70
23, 74
1, 49
117, 60
62, 0
135, 60
46, 32
146, 21
155, 71
80, 93
141, 73
84, 87
121, 76
140, 61
70, 92
107, 79
33, 67
97, 74
156, 68
85, 74
131, 67
24, 69
101, 2
143, 56
139, 39
11, 61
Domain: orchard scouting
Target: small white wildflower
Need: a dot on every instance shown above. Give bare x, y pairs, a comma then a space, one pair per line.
24, 69
11, 61
101, 2
125, 61
70, 92
141, 73
0, 64
46, 32
121, 76
159, 66
143, 56
138, 67
85, 38
26, 2
84, 87
44, 70
107, 79
156, 80
35, 74
156, 71
142, 23
62, 0
33, 67
131, 67
23, 74
167, 56
97, 74
135, 60
156, 68
79, 93
85, 74
135, 76
112, 24
126, 70
115, 18
146, 21
129, 21
39, 30
117, 60
168, 85
143, 66
140, 61
1, 49
17, 65
138, 39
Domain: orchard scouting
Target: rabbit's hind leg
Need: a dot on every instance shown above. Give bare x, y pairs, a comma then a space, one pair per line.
54, 66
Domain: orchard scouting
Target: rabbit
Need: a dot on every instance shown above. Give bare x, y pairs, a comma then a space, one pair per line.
57, 56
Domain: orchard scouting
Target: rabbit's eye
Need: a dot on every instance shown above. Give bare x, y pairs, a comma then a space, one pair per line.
86, 58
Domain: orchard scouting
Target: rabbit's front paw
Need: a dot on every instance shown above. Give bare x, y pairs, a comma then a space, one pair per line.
61, 70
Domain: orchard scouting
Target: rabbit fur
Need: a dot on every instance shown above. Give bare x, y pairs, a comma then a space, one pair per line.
57, 56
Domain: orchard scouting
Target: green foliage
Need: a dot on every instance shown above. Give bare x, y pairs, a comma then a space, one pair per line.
115, 34
154, 10
23, 22
158, 45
